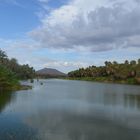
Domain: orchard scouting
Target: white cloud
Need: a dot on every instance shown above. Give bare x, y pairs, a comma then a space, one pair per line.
91, 25
61, 64
44, 1
56, 63
81, 26
28, 52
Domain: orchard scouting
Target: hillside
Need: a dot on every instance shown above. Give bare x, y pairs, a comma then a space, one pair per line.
49, 72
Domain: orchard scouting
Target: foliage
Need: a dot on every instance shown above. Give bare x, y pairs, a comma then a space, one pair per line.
11, 71
7, 78
127, 72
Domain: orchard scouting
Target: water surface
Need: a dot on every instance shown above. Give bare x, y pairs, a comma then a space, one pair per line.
71, 110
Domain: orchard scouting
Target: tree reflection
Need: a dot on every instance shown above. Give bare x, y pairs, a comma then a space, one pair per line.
5, 98
132, 101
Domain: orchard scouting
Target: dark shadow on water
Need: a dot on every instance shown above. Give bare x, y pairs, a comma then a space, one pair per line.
131, 100
5, 98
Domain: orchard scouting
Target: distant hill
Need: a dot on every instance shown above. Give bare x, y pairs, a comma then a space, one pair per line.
49, 72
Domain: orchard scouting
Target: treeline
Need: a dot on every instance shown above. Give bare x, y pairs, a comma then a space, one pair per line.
127, 72
11, 71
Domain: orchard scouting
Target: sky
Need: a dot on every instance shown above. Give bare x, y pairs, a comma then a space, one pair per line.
69, 34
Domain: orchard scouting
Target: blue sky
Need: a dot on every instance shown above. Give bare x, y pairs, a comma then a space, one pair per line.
70, 34
17, 19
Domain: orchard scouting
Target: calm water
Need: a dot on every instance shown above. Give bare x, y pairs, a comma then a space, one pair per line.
71, 110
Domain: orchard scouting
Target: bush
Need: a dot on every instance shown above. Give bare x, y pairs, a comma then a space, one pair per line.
7, 78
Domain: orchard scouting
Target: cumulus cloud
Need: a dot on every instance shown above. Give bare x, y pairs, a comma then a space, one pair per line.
110, 27
56, 63
61, 64
28, 52
90, 25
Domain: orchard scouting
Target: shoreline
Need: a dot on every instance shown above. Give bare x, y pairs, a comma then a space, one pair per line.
100, 80
16, 88
24, 87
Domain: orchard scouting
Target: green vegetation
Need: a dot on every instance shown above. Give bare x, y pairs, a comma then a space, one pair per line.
11, 72
127, 72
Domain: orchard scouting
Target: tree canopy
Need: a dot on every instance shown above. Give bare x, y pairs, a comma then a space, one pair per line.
11, 71
127, 72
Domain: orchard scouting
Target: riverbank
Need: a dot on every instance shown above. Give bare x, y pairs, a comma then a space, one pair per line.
11, 83
11, 72
23, 87
130, 81
16, 88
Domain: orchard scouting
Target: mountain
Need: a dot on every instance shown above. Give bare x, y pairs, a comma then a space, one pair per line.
49, 72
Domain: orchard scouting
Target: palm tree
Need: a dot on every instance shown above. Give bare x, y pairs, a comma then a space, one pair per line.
139, 61
2, 56
133, 62
126, 62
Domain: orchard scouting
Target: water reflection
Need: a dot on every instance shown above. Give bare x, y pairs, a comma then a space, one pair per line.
5, 99
58, 125
73, 110
125, 100
87, 113
132, 100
